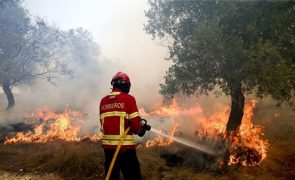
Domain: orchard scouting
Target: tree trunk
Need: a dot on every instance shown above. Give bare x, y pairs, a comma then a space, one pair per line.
237, 111
9, 95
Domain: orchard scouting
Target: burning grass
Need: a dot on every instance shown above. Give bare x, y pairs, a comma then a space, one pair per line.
81, 157
50, 126
247, 147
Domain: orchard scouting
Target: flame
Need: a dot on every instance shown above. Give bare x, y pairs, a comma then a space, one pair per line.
214, 124
160, 141
247, 147
163, 111
51, 126
171, 110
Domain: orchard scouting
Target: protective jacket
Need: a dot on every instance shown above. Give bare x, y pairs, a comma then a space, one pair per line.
118, 111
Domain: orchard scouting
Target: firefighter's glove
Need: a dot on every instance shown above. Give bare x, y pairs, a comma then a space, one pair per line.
142, 132
145, 127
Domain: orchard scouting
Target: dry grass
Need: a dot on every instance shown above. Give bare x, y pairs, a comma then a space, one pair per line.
84, 160
69, 160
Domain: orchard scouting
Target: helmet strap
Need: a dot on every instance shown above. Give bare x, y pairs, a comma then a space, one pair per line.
125, 87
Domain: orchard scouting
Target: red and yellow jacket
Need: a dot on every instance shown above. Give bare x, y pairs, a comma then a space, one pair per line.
118, 111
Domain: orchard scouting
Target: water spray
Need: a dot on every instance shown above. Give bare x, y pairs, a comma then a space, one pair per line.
185, 142
179, 140
146, 127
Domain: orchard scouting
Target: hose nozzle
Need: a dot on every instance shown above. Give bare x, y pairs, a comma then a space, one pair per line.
145, 125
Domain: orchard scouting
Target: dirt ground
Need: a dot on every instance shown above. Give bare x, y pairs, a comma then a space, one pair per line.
19, 176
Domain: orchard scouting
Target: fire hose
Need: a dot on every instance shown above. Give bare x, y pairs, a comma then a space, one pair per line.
116, 154
145, 127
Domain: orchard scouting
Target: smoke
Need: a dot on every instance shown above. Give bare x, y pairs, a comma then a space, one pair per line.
120, 45
89, 82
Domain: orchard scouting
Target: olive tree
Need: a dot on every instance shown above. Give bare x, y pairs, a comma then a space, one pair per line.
234, 47
29, 48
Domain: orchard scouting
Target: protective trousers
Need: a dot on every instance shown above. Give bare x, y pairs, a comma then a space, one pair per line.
126, 161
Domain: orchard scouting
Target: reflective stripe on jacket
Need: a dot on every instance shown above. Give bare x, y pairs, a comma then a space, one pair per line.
118, 111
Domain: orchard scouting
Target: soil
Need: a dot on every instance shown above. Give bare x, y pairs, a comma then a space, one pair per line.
19, 176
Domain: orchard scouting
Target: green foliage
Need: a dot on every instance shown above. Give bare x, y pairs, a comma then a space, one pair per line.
227, 45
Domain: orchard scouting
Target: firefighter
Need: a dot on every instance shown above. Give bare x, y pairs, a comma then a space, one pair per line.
118, 111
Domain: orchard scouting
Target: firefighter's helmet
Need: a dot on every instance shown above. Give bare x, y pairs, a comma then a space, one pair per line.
121, 81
